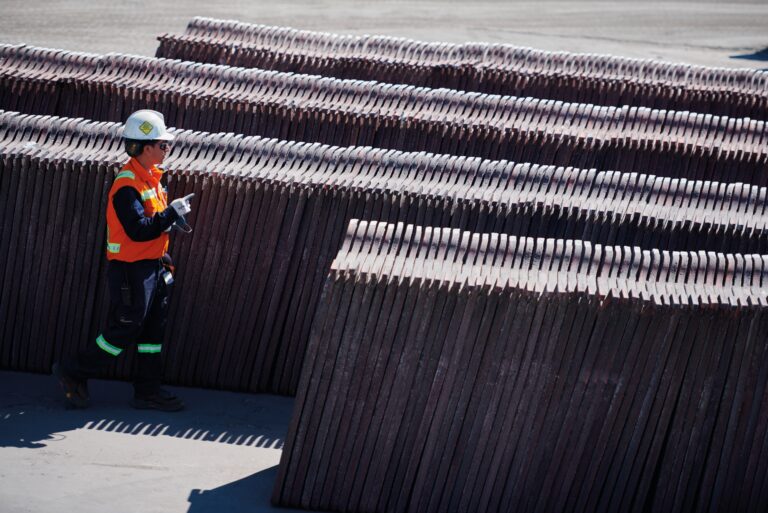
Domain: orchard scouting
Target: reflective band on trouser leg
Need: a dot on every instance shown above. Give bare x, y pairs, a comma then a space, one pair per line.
149, 348
106, 346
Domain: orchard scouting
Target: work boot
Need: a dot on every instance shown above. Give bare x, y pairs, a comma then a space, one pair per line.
75, 390
162, 400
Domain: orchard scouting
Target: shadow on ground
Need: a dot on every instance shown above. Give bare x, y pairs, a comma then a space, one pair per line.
250, 494
760, 55
32, 413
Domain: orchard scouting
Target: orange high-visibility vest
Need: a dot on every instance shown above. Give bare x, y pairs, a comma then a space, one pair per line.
153, 197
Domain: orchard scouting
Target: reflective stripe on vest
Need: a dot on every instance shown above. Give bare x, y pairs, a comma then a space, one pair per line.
125, 174
148, 194
149, 348
106, 346
112, 247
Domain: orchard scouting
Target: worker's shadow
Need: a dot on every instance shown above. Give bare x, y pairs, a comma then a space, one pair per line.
33, 415
250, 494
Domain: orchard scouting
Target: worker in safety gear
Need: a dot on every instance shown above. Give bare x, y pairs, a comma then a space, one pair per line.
139, 271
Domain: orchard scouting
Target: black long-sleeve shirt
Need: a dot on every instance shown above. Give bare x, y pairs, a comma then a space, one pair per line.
130, 211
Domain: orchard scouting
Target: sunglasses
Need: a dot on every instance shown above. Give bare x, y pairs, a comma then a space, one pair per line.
164, 146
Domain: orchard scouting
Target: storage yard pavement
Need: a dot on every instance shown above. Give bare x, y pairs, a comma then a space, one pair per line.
218, 455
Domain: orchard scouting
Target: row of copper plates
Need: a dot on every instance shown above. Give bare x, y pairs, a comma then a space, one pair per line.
270, 216
488, 55
567, 77
454, 371
355, 113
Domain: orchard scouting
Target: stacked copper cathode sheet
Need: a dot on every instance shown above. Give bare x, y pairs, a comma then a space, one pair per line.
356, 113
457, 371
270, 218
477, 67
483, 302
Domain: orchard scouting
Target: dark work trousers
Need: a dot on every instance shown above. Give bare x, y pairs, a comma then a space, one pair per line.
138, 313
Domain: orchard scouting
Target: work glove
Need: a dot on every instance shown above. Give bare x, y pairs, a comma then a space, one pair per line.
182, 206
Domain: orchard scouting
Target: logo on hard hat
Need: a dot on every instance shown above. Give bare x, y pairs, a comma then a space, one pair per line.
146, 127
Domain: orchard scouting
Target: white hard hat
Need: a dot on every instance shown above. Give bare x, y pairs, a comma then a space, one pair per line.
146, 125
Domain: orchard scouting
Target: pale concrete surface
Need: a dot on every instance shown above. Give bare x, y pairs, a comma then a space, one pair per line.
730, 33
219, 455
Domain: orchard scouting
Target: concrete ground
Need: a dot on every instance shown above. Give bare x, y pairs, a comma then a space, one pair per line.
218, 455
730, 33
